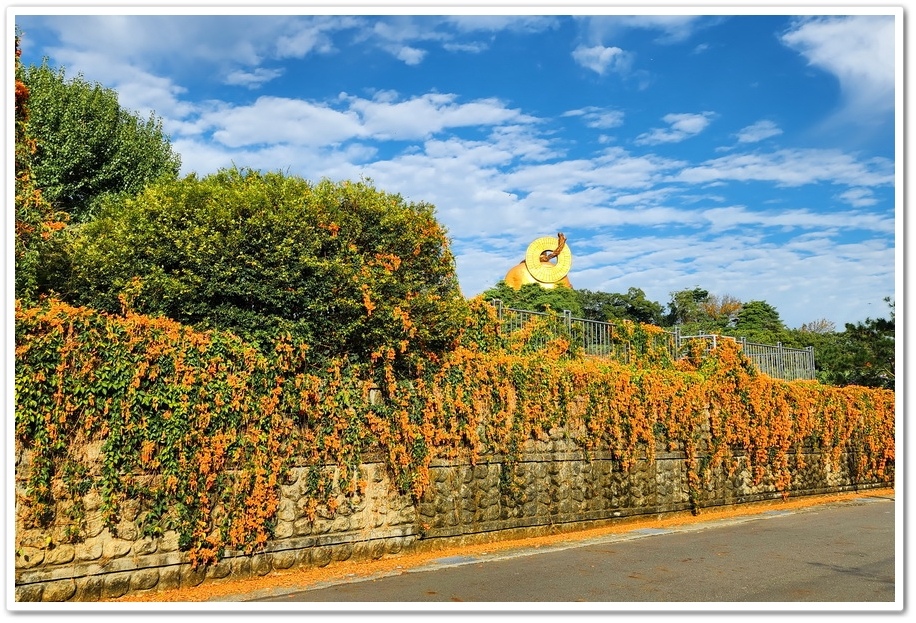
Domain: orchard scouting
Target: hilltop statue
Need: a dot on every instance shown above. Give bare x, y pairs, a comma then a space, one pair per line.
546, 263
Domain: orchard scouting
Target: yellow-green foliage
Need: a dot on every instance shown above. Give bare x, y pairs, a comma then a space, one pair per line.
200, 428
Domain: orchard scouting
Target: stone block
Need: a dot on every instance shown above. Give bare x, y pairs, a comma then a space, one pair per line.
284, 529
190, 576
116, 585
145, 545
287, 509
219, 570
60, 590
241, 567
89, 588
342, 552
129, 510
397, 544
144, 579
128, 531
94, 525
29, 557
87, 552
340, 524
116, 548
376, 549
261, 565
29, 592
168, 542
284, 560
169, 577
321, 556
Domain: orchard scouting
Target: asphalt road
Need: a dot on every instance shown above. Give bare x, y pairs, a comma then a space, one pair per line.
838, 552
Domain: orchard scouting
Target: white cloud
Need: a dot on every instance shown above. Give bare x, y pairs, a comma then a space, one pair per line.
424, 115
681, 126
252, 79
858, 50
599, 118
281, 120
475, 47
792, 167
601, 59
738, 217
858, 197
758, 131
494, 23
303, 36
408, 54
672, 28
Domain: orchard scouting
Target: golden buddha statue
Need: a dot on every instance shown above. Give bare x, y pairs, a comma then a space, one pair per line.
539, 266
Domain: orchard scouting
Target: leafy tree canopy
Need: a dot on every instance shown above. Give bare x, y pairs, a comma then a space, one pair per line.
758, 321
863, 354
37, 225
87, 145
632, 305
347, 268
685, 306
534, 297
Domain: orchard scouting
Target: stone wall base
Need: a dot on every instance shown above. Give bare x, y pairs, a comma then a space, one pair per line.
548, 491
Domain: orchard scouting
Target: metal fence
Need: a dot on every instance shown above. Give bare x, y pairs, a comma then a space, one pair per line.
604, 339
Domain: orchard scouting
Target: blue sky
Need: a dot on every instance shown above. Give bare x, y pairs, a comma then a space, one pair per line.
750, 155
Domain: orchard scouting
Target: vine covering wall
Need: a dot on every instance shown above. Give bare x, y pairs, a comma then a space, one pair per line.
199, 430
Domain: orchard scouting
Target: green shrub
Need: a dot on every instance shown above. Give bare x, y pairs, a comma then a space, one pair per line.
348, 269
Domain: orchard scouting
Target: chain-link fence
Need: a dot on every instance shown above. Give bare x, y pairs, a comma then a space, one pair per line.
604, 339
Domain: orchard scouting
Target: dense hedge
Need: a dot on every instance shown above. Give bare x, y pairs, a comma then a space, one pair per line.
198, 428
352, 270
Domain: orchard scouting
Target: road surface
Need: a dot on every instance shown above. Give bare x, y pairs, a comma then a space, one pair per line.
841, 552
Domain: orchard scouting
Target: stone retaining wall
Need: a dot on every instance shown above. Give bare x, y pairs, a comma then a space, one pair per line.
554, 486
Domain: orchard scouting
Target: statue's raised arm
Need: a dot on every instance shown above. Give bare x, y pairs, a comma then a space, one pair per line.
561, 243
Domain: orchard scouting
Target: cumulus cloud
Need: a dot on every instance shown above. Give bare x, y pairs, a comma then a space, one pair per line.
427, 114
602, 60
681, 126
858, 197
305, 35
858, 50
283, 120
273, 119
408, 54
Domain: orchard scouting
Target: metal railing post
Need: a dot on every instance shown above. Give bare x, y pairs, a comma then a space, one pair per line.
780, 361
